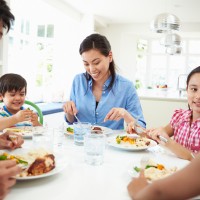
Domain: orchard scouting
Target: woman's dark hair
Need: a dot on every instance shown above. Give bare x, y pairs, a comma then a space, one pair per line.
10, 82
194, 71
100, 43
5, 15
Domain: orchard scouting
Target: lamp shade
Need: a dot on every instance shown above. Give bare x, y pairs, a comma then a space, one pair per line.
172, 50
165, 22
171, 39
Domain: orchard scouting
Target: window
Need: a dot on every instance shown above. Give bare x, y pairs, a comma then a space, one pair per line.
40, 45
159, 68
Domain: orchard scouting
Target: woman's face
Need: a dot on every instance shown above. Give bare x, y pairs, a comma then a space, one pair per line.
193, 92
96, 64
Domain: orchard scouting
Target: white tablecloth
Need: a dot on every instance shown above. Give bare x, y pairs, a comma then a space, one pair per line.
82, 181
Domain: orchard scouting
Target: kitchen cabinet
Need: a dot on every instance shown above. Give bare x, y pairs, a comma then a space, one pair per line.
158, 111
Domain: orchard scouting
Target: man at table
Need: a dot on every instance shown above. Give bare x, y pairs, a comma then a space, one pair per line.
8, 168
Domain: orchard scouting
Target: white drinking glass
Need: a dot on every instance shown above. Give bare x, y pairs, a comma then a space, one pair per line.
94, 148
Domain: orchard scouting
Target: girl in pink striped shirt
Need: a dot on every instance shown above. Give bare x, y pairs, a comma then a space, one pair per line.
185, 124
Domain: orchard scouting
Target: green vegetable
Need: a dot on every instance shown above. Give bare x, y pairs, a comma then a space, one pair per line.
69, 129
3, 157
148, 166
118, 140
22, 161
137, 169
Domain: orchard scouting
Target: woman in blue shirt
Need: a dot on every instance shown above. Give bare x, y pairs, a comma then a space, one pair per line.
100, 96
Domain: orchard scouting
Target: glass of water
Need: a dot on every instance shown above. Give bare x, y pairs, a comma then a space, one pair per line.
94, 147
80, 129
43, 138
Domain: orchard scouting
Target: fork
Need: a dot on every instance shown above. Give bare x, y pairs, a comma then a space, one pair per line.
77, 119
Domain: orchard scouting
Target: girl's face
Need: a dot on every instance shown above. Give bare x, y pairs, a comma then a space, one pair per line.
14, 100
193, 92
96, 64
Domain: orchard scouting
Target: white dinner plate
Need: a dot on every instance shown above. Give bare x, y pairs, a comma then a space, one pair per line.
104, 129
25, 131
177, 163
127, 146
60, 163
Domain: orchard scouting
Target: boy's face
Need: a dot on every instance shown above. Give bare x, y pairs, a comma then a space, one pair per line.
13, 100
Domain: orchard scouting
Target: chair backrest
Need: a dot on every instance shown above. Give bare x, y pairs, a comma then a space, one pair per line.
37, 109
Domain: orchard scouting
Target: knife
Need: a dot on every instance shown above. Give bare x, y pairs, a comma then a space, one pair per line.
163, 139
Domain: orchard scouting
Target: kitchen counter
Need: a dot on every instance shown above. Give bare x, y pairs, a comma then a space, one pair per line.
162, 94
158, 105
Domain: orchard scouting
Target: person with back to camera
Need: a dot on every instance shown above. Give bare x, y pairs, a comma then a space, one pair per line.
184, 184
184, 125
101, 96
13, 88
8, 168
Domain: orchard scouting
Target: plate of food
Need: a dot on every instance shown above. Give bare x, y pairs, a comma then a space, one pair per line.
94, 129
35, 164
25, 131
155, 169
125, 142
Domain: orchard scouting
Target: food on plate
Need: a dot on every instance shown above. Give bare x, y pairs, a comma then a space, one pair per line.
18, 159
154, 171
97, 130
33, 163
70, 130
138, 142
42, 165
19, 130
14, 130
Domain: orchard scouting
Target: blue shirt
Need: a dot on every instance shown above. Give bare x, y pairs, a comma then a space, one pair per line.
122, 95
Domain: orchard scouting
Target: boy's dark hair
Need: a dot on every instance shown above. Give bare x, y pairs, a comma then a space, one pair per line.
5, 15
10, 82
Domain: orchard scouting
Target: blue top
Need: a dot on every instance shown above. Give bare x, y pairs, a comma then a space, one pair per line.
123, 94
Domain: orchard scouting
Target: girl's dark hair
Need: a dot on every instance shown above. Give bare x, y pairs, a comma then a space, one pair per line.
10, 82
194, 71
5, 15
100, 43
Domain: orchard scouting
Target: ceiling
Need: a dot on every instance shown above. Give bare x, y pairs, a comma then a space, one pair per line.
137, 11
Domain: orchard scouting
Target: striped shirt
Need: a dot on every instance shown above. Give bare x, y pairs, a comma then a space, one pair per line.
186, 134
5, 113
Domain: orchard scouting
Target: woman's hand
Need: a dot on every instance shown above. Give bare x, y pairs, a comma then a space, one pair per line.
137, 184
70, 110
10, 140
115, 114
8, 170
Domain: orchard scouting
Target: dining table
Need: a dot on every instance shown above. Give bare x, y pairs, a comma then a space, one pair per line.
78, 180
